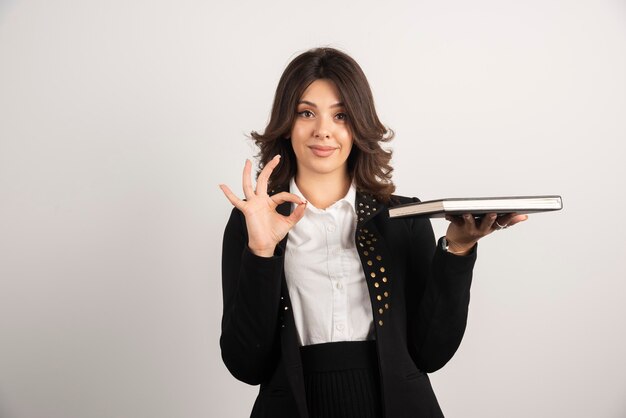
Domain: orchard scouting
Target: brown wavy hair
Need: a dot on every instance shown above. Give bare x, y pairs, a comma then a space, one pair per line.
368, 162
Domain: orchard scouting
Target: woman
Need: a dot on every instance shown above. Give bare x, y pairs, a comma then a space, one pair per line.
335, 309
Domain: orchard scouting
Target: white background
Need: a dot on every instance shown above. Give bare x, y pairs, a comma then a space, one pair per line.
118, 120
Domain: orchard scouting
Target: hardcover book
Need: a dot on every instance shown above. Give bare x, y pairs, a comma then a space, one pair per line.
478, 206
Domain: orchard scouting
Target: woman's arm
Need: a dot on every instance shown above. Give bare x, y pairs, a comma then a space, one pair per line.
438, 293
251, 295
437, 319
252, 266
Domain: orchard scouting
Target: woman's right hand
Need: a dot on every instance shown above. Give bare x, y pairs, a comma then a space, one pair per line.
266, 227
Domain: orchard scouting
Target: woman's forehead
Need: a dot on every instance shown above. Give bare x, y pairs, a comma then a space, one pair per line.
321, 92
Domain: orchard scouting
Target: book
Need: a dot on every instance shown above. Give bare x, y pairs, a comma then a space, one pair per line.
478, 206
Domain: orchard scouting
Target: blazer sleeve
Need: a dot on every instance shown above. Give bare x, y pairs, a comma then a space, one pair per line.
438, 293
251, 287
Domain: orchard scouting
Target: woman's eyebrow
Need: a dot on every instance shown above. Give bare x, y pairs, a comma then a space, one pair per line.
340, 104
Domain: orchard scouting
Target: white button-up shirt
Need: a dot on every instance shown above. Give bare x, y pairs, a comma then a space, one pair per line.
329, 295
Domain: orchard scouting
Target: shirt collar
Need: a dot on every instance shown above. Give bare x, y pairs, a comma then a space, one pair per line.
349, 199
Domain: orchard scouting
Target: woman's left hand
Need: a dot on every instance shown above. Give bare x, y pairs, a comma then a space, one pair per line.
465, 231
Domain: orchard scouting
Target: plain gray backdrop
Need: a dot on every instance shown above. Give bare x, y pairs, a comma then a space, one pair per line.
118, 120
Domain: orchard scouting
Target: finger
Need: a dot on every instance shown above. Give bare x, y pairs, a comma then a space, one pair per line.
456, 220
297, 214
248, 191
505, 220
468, 221
488, 222
238, 203
508, 220
264, 175
517, 219
502, 222
282, 197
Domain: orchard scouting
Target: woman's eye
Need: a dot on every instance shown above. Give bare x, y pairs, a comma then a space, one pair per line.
306, 113
342, 116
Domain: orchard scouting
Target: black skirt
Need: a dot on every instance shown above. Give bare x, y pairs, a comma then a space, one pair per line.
342, 380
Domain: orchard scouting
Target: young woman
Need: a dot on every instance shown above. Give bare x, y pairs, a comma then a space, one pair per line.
335, 309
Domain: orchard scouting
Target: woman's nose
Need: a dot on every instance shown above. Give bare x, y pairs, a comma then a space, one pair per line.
322, 129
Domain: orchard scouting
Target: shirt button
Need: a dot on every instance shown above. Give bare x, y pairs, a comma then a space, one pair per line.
330, 228
339, 285
340, 327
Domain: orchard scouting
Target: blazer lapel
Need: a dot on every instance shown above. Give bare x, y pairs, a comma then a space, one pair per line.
374, 254
366, 207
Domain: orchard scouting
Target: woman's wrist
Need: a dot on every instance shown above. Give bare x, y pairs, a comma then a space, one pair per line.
262, 252
457, 248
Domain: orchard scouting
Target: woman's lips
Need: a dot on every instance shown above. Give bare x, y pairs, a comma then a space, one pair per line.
323, 151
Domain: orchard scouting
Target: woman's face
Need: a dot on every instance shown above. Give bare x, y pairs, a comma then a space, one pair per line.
320, 136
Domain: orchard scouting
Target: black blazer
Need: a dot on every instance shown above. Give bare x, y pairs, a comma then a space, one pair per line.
419, 295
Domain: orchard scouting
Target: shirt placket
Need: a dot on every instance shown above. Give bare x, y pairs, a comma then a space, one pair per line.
336, 274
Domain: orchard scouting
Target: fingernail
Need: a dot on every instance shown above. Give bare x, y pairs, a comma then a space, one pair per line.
277, 156
466, 216
493, 216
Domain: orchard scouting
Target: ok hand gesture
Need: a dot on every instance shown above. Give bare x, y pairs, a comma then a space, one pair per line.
266, 227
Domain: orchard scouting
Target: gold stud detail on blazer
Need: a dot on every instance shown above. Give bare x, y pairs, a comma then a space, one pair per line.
380, 323
372, 262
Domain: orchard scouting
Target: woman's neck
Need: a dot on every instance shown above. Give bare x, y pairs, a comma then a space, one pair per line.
323, 190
